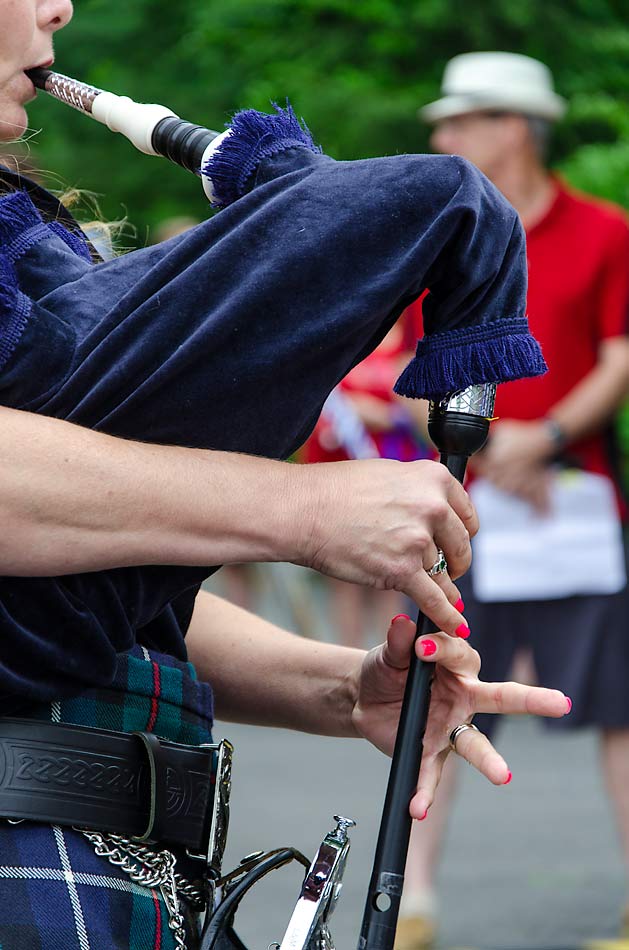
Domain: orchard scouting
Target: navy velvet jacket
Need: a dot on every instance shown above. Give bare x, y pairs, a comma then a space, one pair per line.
230, 337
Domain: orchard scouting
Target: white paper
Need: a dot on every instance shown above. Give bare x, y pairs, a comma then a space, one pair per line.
577, 548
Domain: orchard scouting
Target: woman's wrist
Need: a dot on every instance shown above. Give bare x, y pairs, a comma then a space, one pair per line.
310, 494
545, 438
555, 433
295, 508
344, 696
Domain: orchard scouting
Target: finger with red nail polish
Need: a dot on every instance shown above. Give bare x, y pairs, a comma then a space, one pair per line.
400, 617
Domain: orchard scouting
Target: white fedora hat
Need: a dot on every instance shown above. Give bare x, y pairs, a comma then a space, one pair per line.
474, 82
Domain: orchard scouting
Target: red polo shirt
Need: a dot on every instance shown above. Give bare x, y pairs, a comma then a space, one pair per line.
578, 296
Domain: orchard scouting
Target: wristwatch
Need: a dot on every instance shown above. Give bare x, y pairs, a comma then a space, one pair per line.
556, 433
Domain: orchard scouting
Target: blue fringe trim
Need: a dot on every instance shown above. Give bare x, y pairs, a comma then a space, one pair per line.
455, 359
8, 290
21, 226
17, 214
254, 137
15, 309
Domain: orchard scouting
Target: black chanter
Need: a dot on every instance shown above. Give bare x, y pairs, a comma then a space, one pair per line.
458, 425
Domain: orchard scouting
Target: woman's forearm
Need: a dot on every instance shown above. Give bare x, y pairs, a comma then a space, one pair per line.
73, 500
592, 402
264, 675
76, 500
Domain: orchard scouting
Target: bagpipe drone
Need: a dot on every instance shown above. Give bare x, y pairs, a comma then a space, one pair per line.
319, 259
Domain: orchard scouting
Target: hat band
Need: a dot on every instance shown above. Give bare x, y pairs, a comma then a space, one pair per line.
545, 104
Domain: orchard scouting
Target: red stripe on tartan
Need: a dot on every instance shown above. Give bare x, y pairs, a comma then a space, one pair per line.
155, 697
158, 921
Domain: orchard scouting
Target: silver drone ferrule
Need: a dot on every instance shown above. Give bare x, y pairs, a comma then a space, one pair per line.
476, 400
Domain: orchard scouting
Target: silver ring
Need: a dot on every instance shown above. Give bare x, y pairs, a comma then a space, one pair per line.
456, 732
440, 566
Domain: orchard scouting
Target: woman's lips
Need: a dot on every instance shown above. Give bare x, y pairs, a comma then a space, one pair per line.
45, 65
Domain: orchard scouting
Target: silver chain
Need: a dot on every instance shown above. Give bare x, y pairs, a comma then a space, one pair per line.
151, 869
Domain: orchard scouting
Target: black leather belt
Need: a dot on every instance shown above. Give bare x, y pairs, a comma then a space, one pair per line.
129, 784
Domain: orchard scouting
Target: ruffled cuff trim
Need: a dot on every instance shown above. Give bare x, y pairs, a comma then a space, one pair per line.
455, 359
254, 136
15, 309
21, 226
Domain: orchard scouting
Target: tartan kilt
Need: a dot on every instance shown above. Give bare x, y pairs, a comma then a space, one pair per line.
55, 892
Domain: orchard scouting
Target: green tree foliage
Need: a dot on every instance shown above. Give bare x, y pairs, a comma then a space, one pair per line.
357, 71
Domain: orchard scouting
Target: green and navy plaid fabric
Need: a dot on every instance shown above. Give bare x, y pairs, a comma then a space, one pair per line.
55, 892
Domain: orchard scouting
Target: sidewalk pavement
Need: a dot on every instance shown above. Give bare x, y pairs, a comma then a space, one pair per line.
534, 865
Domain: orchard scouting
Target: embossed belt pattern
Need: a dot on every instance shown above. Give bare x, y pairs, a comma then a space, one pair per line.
129, 784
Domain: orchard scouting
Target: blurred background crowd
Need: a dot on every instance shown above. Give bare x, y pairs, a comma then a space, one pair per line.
359, 72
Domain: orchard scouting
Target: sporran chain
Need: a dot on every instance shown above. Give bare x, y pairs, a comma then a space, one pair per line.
151, 869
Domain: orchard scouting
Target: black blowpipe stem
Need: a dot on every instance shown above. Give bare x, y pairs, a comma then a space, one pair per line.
182, 142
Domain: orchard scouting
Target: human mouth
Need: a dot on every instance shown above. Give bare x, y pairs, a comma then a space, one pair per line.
45, 65
33, 89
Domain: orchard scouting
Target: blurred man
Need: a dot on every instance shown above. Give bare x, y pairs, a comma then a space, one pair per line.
497, 110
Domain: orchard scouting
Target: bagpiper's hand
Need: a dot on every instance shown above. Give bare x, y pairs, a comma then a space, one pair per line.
457, 694
531, 484
381, 523
516, 460
518, 443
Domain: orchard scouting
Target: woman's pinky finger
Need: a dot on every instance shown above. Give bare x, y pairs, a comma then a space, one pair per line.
476, 749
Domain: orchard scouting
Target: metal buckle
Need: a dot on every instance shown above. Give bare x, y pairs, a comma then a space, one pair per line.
219, 818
